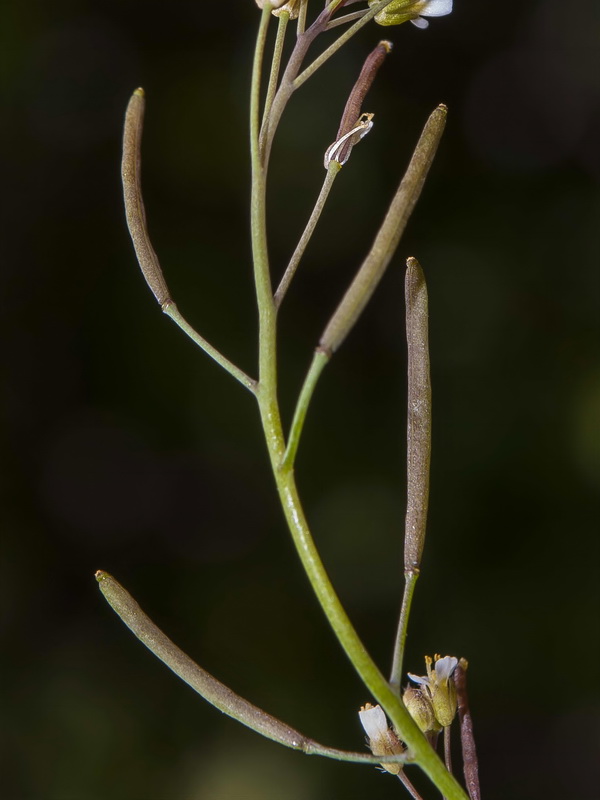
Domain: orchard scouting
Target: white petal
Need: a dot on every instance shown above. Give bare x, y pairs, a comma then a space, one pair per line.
420, 22
444, 667
416, 679
437, 8
373, 721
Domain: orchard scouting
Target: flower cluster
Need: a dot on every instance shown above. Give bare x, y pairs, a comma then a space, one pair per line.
397, 12
433, 704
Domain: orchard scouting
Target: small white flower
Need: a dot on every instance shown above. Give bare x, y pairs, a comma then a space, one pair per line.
399, 11
274, 3
440, 687
373, 721
444, 667
432, 8
382, 739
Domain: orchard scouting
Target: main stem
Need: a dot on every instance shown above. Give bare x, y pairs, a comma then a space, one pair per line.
266, 394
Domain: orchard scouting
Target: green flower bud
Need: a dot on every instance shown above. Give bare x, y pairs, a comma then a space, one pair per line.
420, 708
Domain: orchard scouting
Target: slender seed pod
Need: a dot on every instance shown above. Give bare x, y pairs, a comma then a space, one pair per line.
467, 737
388, 236
418, 453
355, 124
211, 689
182, 665
354, 104
134, 203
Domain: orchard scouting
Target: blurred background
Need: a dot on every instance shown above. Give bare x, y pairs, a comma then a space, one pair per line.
124, 448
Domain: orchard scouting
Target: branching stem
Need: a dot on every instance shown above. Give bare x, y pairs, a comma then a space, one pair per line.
284, 18
339, 42
332, 172
283, 472
171, 310
320, 359
265, 389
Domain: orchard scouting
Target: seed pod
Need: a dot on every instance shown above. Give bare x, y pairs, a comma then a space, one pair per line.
418, 452
383, 248
134, 203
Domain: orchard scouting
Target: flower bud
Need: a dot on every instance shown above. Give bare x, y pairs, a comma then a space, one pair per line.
419, 706
382, 739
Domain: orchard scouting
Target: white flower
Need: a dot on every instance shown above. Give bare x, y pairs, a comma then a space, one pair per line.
444, 667
432, 8
382, 739
440, 687
274, 3
373, 721
399, 11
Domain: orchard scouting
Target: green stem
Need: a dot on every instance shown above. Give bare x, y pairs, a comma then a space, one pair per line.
260, 257
285, 91
332, 171
171, 310
302, 18
266, 395
335, 23
406, 728
410, 580
267, 316
320, 359
284, 18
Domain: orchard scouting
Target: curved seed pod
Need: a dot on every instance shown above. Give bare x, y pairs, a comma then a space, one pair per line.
134, 203
211, 689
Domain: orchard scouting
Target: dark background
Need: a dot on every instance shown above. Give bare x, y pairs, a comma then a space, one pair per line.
124, 448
